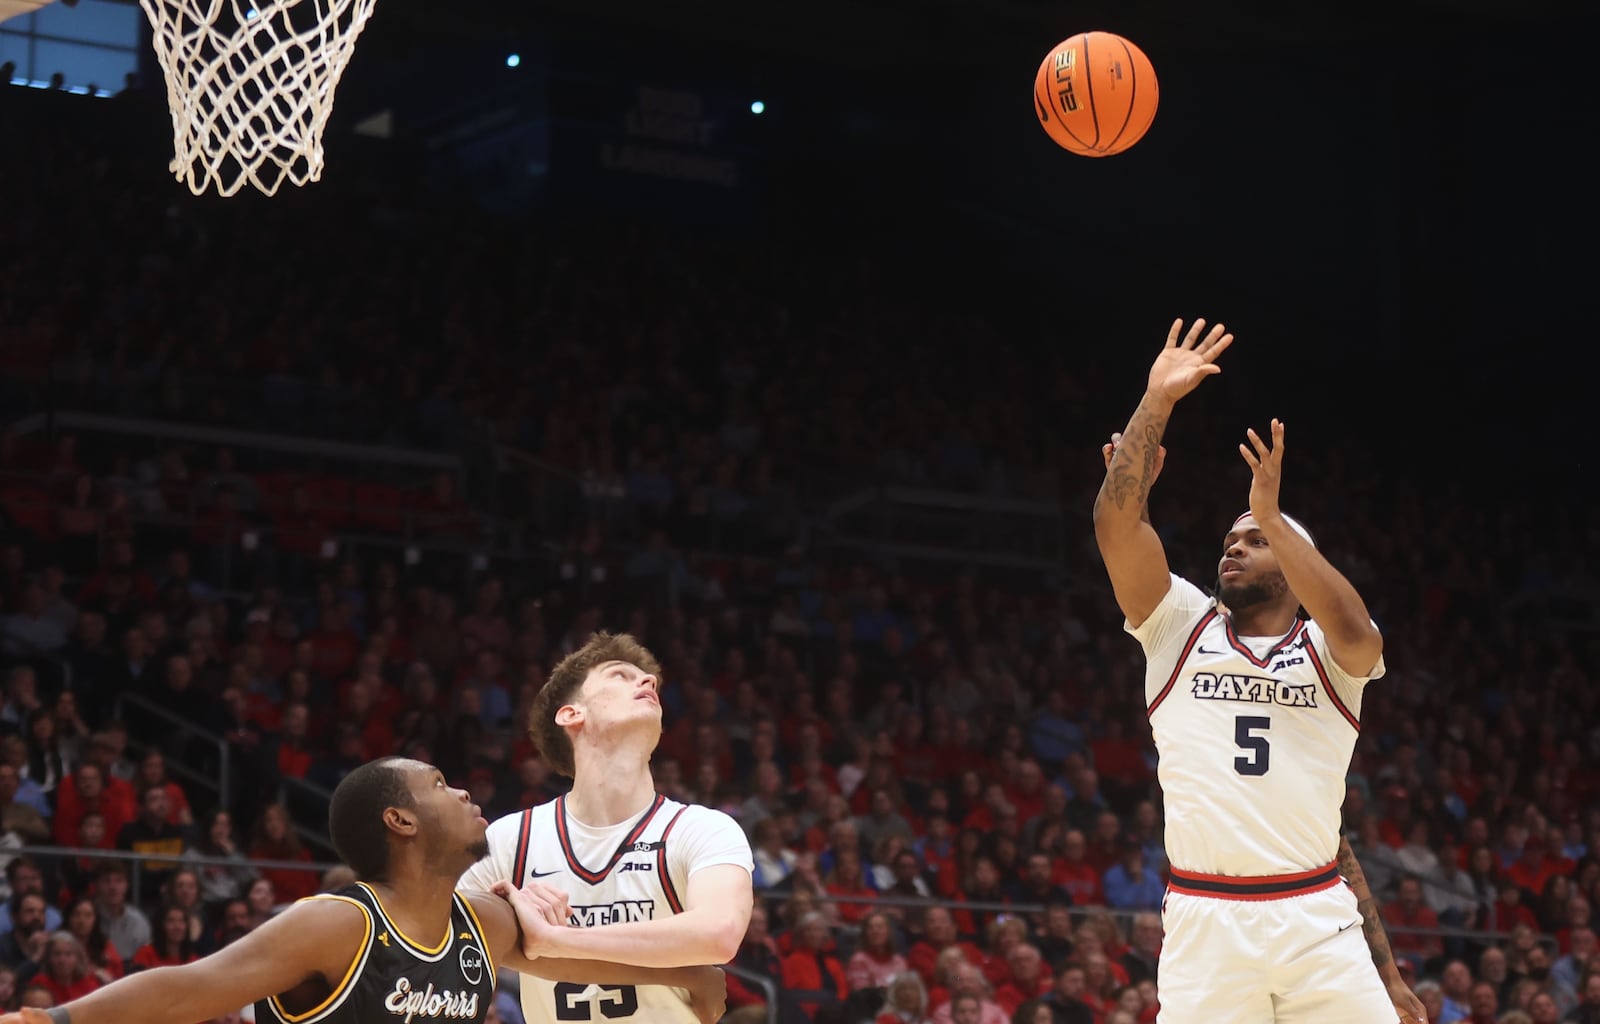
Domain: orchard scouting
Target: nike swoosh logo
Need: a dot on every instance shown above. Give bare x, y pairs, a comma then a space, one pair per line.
1349, 926
1207, 650
541, 874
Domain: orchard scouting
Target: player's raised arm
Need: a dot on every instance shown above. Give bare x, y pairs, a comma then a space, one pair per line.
500, 915
314, 938
1331, 600
1134, 558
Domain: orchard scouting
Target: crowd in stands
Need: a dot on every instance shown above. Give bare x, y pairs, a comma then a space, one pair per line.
881, 730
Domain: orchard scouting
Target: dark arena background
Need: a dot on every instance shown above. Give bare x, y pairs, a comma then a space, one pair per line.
782, 337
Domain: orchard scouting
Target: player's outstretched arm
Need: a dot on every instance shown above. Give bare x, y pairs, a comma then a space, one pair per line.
1406, 1003
1328, 597
315, 937
1134, 558
716, 911
501, 916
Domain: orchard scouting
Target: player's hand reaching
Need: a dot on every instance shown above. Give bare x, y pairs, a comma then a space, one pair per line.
1110, 448
1406, 1004
1182, 365
536, 916
550, 903
1266, 467
708, 993
26, 1016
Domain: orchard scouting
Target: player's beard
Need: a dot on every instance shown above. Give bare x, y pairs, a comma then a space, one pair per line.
1240, 596
479, 849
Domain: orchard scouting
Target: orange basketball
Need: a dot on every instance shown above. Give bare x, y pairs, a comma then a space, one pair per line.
1096, 94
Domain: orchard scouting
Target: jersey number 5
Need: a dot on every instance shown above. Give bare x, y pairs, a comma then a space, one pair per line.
613, 1001
1244, 728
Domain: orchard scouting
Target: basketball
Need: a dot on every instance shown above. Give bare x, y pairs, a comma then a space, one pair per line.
1096, 94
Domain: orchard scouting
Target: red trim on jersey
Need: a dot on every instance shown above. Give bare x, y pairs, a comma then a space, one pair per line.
596, 877
661, 865
1327, 685
520, 865
1294, 631
1194, 637
1254, 888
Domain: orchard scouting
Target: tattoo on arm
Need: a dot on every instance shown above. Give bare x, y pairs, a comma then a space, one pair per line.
1367, 904
1124, 480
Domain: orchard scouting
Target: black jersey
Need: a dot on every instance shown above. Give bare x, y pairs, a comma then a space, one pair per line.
393, 977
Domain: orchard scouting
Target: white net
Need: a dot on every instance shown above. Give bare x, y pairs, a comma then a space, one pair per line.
251, 85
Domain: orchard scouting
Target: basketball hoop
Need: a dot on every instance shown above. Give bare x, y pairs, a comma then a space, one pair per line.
250, 84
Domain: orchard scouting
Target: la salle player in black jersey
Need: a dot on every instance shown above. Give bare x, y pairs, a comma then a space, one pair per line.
351, 957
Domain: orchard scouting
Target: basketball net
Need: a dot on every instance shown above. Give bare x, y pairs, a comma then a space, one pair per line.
251, 85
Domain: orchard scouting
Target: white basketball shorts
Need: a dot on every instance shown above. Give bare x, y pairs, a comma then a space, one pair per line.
1284, 949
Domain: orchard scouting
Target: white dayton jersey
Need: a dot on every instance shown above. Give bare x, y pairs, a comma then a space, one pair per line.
635, 871
1254, 736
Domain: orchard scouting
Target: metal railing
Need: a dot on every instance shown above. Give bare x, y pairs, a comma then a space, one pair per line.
768, 987
288, 787
194, 433
222, 784
924, 524
138, 860
1122, 915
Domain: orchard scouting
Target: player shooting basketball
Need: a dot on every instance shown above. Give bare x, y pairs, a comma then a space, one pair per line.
1255, 713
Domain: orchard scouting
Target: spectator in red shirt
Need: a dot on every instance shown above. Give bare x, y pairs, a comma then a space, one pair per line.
275, 839
994, 809
1508, 911
84, 792
847, 879
334, 644
360, 709
983, 885
876, 963
938, 935
1074, 874
880, 776
1027, 794
67, 973
295, 754
969, 983
1100, 983
83, 921
1119, 760
1407, 910
1029, 977
1536, 867
153, 772
812, 967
